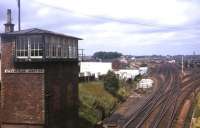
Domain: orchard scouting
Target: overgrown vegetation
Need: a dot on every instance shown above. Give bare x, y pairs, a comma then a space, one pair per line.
95, 103
111, 83
138, 78
196, 116
98, 99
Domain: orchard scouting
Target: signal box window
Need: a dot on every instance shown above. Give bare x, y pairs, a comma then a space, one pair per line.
59, 47
29, 47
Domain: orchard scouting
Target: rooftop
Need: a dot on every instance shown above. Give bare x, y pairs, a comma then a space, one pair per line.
38, 31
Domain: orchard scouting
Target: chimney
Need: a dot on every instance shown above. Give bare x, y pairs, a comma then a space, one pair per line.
9, 27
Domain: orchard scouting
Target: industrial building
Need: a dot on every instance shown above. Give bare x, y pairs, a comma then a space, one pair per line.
94, 68
127, 73
39, 79
143, 70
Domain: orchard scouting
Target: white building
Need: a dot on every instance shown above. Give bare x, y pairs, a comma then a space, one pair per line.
94, 68
127, 73
172, 61
145, 83
143, 70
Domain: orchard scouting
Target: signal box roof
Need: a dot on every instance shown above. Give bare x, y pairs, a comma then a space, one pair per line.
37, 31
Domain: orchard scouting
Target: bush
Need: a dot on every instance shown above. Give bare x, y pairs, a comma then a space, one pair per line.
95, 103
143, 65
138, 78
111, 83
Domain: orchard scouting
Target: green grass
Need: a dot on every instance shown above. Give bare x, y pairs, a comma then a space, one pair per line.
96, 103
196, 124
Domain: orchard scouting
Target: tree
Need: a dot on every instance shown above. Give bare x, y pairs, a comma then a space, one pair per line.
143, 65
111, 83
138, 77
106, 55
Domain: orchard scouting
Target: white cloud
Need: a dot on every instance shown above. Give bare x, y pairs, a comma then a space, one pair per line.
170, 12
122, 25
43, 12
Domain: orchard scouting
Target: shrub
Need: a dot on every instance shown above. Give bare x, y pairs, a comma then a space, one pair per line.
111, 83
138, 77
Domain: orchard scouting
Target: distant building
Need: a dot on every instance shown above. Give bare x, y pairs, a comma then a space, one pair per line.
94, 68
39, 86
172, 61
143, 70
117, 64
127, 73
133, 58
145, 83
133, 65
123, 60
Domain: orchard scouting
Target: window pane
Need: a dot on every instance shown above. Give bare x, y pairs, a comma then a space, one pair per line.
18, 53
36, 52
66, 48
22, 44
51, 46
70, 48
54, 49
59, 47
26, 45
32, 45
36, 45
18, 45
40, 45
26, 52
32, 53
62, 47
22, 53
22, 47
76, 48
40, 53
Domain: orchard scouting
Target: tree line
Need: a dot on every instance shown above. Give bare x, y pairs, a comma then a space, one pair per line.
106, 55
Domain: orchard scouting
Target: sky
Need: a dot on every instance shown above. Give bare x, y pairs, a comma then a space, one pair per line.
132, 27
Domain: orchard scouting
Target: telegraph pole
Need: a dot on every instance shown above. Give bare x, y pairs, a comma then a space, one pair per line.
182, 64
19, 15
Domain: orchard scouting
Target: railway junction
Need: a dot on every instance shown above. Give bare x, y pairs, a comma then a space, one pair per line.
168, 104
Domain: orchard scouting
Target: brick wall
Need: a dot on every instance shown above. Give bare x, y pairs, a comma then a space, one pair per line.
34, 99
61, 81
22, 94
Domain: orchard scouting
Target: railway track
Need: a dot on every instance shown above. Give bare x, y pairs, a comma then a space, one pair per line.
156, 100
165, 103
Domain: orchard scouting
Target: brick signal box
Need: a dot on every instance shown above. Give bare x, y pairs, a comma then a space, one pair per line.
39, 79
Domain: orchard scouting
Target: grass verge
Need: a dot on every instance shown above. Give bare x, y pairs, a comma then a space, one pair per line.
96, 103
196, 114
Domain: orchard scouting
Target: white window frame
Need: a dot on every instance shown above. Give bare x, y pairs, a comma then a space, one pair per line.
20, 50
29, 49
